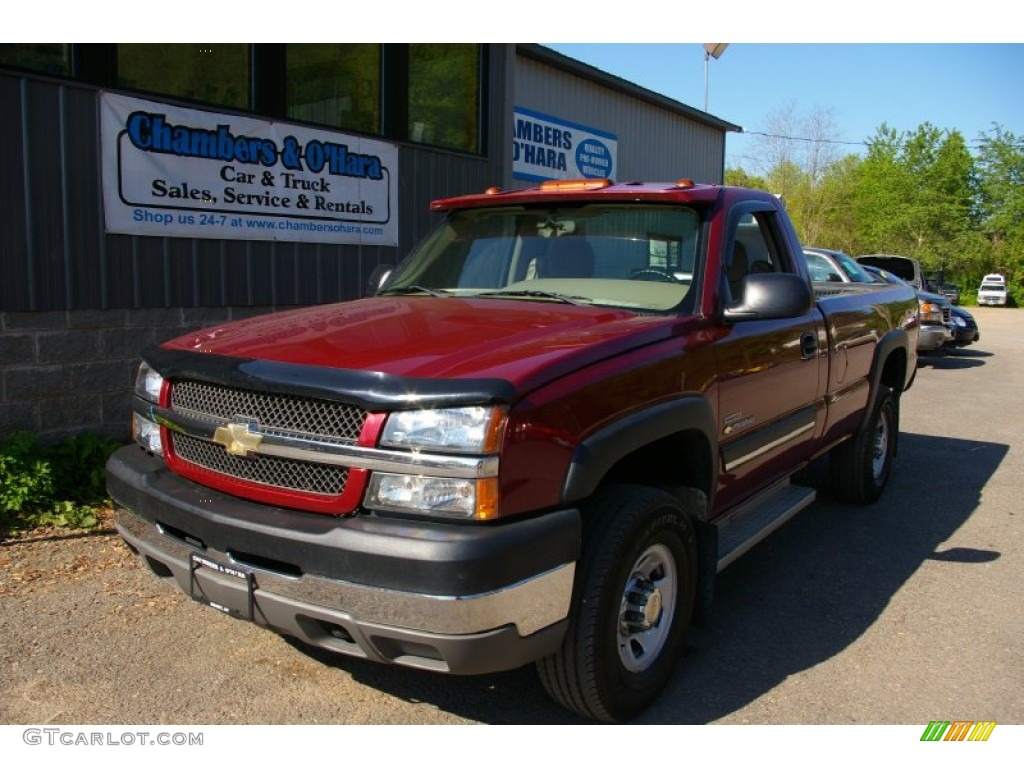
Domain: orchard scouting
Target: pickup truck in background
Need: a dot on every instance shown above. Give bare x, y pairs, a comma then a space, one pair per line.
951, 291
907, 269
556, 421
937, 329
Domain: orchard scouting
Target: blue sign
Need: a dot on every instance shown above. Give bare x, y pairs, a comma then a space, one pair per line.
546, 147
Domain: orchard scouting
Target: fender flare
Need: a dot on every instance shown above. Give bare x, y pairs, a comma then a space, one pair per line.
892, 341
597, 453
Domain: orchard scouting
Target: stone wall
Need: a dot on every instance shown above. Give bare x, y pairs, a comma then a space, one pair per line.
62, 373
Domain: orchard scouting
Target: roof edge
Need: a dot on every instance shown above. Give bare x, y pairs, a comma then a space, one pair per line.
572, 66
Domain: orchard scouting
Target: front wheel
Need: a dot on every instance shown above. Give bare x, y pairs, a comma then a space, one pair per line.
860, 467
633, 603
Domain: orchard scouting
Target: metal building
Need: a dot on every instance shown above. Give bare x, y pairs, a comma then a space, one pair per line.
115, 236
658, 139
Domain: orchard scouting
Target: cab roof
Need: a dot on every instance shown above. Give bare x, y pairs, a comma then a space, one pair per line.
589, 190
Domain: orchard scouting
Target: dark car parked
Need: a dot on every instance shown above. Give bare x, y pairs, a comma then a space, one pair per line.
965, 328
936, 314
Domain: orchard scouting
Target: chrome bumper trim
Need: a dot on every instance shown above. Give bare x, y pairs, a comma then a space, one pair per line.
530, 605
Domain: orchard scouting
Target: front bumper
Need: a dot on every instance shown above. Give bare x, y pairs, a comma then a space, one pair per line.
464, 599
932, 337
966, 335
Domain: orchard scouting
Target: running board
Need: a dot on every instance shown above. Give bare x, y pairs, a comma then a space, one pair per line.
748, 524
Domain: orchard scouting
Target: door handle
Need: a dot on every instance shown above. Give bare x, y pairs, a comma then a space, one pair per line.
808, 345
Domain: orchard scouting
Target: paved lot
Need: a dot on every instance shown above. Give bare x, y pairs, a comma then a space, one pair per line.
901, 613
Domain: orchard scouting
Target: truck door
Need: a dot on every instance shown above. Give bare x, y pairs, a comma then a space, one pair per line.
771, 373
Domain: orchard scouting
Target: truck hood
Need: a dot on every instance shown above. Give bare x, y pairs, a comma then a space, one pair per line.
523, 342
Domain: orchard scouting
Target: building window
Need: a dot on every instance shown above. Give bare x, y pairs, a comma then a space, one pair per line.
52, 58
427, 93
334, 84
216, 73
444, 95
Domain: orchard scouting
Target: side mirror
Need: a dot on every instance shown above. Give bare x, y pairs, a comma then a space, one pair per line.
377, 278
771, 295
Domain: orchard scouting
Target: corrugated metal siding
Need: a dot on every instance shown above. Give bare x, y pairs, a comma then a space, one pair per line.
653, 144
55, 254
14, 248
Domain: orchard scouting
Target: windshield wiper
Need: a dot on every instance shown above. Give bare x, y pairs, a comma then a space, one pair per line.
439, 292
541, 295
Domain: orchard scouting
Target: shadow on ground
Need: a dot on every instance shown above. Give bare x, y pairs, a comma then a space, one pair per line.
957, 359
797, 599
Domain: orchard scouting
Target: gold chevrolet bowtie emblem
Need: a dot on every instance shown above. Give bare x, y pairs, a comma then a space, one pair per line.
238, 439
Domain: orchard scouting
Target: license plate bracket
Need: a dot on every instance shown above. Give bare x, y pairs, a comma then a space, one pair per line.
198, 561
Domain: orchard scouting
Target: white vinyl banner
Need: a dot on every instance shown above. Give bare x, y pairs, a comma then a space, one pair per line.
178, 172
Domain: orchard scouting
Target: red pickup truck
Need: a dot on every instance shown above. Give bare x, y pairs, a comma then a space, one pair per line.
540, 440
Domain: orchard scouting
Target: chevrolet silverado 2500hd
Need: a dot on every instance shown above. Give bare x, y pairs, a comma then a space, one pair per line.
558, 418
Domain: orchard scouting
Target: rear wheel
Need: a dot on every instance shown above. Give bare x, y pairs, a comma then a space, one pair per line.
860, 467
632, 607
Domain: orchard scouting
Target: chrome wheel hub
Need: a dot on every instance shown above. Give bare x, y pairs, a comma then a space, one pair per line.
881, 449
647, 608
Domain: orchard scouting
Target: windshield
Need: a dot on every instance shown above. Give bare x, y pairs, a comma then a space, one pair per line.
631, 256
822, 270
854, 271
835, 267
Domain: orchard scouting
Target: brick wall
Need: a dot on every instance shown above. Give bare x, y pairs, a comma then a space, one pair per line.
62, 373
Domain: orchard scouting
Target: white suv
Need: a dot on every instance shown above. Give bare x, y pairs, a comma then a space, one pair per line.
992, 291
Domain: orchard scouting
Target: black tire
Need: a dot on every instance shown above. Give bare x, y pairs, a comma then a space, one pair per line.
632, 605
860, 467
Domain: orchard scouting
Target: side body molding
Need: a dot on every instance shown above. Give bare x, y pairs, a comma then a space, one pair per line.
599, 452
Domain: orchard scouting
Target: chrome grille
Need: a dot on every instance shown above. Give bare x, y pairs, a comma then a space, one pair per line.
272, 471
306, 416
946, 314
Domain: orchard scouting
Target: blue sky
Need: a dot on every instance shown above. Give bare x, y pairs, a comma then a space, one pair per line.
955, 86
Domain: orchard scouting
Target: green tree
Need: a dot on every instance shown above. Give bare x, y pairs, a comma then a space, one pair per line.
799, 149
1001, 206
918, 193
837, 189
788, 180
882, 184
737, 177
943, 197
916, 196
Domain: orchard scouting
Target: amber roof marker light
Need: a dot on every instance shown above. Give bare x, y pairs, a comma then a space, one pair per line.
574, 185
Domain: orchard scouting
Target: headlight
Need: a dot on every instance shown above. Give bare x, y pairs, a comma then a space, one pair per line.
442, 496
930, 313
960, 321
148, 383
147, 434
475, 429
